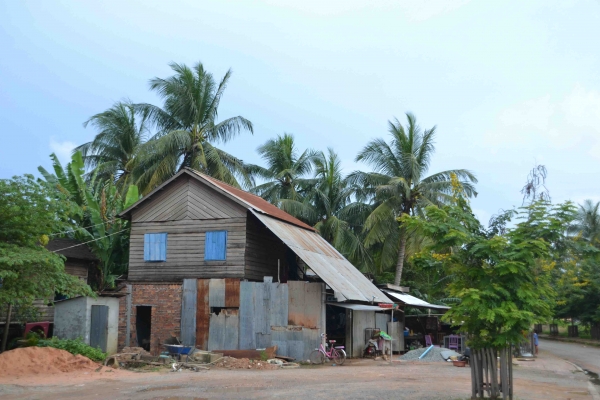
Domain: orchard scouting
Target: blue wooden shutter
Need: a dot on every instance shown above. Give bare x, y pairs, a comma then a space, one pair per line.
155, 247
215, 245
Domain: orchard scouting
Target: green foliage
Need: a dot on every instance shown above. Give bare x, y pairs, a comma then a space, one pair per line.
74, 346
264, 356
97, 204
29, 212
503, 282
398, 185
113, 153
188, 130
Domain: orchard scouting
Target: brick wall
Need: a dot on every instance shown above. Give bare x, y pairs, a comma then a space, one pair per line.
165, 300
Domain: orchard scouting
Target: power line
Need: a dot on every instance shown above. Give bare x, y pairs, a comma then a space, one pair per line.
89, 241
84, 227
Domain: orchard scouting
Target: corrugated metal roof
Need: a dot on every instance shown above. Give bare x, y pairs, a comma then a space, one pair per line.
413, 301
257, 203
359, 307
325, 261
72, 249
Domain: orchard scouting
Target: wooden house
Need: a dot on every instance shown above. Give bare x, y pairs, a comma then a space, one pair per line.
223, 269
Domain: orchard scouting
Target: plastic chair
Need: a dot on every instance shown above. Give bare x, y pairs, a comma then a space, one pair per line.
453, 342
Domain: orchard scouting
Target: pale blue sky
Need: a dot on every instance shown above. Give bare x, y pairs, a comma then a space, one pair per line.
508, 83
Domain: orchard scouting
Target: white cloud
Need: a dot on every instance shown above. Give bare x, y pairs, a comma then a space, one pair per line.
567, 123
62, 150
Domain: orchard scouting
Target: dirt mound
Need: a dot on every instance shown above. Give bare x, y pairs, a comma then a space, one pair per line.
243, 363
42, 361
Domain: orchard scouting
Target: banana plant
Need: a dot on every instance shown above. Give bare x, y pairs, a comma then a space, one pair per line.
98, 203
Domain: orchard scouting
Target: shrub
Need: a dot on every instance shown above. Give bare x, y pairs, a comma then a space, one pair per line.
73, 346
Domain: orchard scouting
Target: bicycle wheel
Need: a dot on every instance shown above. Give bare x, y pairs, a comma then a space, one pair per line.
339, 356
316, 357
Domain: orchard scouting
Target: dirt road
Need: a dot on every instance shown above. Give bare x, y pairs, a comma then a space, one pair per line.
546, 378
587, 357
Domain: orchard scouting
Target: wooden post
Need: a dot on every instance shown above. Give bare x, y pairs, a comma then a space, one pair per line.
6, 328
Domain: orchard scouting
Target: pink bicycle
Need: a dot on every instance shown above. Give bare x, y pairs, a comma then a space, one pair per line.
335, 353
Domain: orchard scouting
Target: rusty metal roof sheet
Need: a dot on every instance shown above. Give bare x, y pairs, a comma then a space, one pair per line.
255, 202
413, 301
348, 282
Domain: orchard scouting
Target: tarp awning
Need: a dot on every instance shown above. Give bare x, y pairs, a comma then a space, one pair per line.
347, 281
413, 301
359, 307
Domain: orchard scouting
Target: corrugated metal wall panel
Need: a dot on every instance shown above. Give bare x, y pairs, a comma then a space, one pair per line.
188, 312
247, 337
232, 329
216, 297
260, 316
305, 304
279, 305
381, 321
360, 321
224, 331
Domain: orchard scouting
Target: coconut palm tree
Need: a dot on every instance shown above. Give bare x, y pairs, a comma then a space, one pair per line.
112, 153
399, 185
336, 215
188, 130
587, 223
285, 172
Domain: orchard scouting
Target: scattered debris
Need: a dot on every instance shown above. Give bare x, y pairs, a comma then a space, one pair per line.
258, 354
244, 363
43, 360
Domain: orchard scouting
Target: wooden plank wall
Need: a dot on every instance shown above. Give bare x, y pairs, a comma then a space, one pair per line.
188, 312
187, 198
186, 209
185, 251
263, 249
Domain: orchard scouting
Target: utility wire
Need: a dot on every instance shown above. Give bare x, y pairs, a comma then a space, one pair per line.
84, 227
89, 241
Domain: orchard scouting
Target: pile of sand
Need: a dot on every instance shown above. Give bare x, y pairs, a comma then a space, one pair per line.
42, 361
243, 363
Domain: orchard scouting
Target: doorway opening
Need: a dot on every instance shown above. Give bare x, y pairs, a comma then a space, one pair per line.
336, 326
143, 326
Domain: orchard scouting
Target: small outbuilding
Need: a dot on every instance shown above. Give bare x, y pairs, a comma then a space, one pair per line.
94, 320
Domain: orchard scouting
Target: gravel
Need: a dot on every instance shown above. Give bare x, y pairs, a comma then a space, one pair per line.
433, 355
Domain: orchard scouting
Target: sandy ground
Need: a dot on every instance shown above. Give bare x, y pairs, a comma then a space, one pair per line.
548, 377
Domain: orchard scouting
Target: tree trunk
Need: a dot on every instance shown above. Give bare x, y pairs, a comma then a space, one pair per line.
401, 253
6, 328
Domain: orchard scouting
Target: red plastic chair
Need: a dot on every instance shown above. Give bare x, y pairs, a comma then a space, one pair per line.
453, 342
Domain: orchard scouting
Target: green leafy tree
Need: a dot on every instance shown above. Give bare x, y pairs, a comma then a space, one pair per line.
188, 130
336, 215
28, 271
286, 172
112, 154
96, 222
502, 282
587, 223
399, 186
